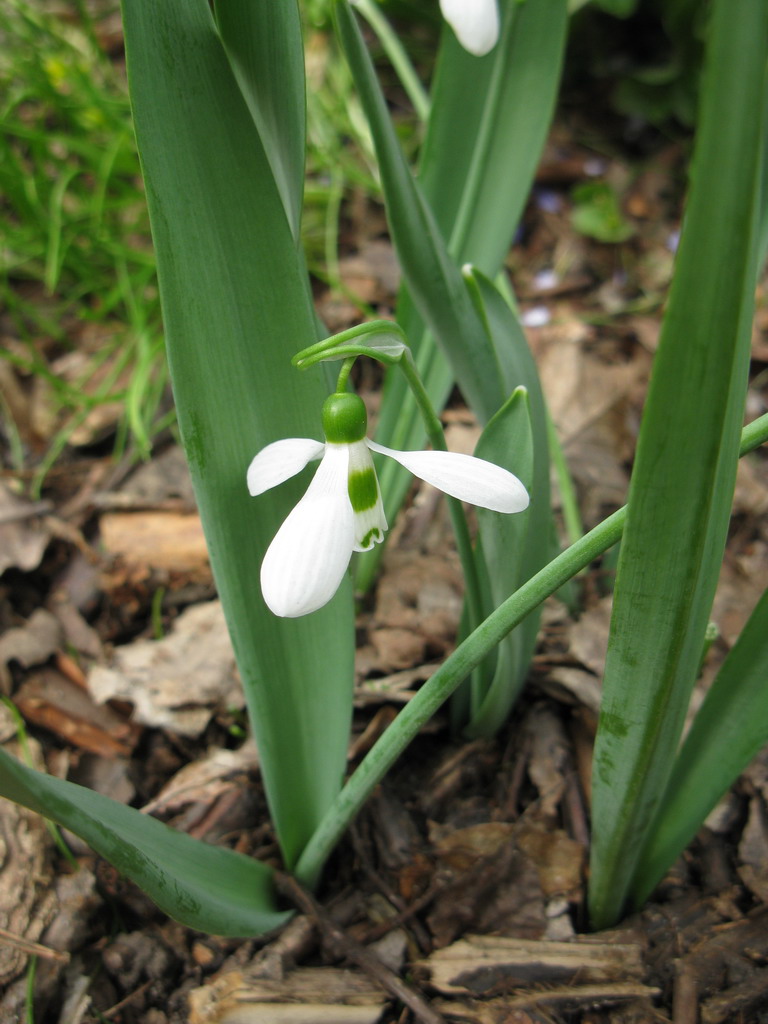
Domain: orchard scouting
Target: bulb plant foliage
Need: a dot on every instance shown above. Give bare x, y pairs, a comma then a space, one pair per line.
218, 101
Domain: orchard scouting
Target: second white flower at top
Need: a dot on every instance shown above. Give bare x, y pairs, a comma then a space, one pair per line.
341, 511
475, 22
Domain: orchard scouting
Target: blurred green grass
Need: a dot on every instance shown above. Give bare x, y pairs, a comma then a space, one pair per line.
81, 319
76, 262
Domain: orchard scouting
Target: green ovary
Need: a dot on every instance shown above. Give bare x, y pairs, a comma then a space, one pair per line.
363, 489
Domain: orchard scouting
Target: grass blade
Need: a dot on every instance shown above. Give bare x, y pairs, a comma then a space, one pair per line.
682, 485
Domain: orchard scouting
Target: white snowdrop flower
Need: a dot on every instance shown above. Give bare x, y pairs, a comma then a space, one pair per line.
341, 511
475, 22
536, 316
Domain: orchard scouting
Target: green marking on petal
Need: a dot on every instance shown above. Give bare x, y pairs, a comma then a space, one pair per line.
374, 536
363, 489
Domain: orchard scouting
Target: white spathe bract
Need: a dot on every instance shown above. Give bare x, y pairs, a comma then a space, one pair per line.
306, 561
475, 22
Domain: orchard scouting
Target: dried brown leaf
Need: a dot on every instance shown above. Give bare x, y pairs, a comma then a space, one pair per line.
30, 644
179, 682
23, 536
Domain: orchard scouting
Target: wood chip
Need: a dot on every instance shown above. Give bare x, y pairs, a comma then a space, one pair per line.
309, 995
170, 541
49, 699
485, 965
738, 1001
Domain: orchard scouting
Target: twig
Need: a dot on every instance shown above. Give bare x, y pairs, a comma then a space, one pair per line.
128, 1000
15, 515
578, 995
32, 948
353, 951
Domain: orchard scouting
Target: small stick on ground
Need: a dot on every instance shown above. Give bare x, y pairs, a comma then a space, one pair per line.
32, 948
353, 951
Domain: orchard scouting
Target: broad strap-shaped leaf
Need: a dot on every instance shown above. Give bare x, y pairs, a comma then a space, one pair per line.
264, 44
682, 484
729, 729
237, 306
762, 243
206, 887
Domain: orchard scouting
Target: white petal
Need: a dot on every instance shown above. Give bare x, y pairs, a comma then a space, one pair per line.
475, 22
307, 559
280, 461
464, 477
370, 522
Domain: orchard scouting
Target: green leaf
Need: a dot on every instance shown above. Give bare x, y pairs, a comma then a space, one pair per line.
206, 887
264, 44
237, 305
488, 124
508, 441
515, 547
682, 484
618, 8
729, 729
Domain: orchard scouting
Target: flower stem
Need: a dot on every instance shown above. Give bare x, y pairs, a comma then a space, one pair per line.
346, 369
